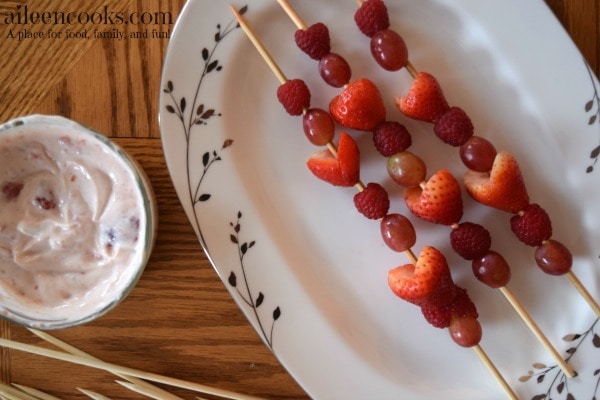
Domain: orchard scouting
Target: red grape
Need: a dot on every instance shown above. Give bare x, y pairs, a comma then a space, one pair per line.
492, 269
398, 232
465, 331
318, 126
406, 169
478, 154
389, 50
335, 70
553, 258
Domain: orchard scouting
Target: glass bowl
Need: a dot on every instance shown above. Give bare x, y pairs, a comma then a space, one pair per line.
78, 222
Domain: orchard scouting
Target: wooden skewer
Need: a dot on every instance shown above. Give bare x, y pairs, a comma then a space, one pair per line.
584, 292
270, 61
300, 24
164, 395
143, 390
93, 395
117, 369
13, 393
38, 394
518, 306
492, 368
570, 275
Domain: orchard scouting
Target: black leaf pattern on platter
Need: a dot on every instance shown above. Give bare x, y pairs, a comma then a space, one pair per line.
246, 293
592, 110
557, 382
198, 114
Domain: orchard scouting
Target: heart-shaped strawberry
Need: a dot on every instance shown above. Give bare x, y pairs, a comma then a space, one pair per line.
314, 40
439, 200
425, 99
341, 171
359, 106
503, 188
426, 283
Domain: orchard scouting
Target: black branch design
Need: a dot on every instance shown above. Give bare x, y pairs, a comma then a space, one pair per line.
253, 299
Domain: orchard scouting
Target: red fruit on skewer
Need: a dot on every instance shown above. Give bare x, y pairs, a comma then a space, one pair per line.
503, 188
341, 171
359, 106
454, 127
425, 99
372, 17
439, 200
294, 96
314, 40
461, 306
427, 282
532, 226
391, 137
372, 202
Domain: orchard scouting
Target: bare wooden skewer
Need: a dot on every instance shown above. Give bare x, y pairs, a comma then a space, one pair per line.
517, 305
270, 61
117, 369
38, 394
93, 395
13, 393
163, 394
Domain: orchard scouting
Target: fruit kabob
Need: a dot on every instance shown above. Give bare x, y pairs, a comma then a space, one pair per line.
437, 199
426, 281
493, 178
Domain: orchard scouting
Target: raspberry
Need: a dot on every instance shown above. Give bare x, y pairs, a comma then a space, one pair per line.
461, 306
373, 202
532, 226
314, 40
391, 137
372, 17
470, 240
454, 127
294, 95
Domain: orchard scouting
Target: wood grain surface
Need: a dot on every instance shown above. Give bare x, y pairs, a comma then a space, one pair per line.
180, 320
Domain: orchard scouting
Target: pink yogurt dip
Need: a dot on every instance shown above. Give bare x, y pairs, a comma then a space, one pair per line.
73, 223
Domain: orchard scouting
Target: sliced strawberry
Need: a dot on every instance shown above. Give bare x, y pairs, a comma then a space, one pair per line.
439, 201
341, 171
348, 156
428, 283
425, 99
359, 106
503, 188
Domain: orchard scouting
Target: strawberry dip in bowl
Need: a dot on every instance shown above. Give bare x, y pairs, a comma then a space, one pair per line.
77, 222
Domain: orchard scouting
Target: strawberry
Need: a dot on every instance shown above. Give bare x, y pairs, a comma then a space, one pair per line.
439, 201
359, 106
371, 17
294, 96
314, 40
532, 226
503, 188
341, 171
425, 99
428, 283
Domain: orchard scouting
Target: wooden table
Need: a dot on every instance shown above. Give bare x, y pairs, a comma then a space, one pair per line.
179, 321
